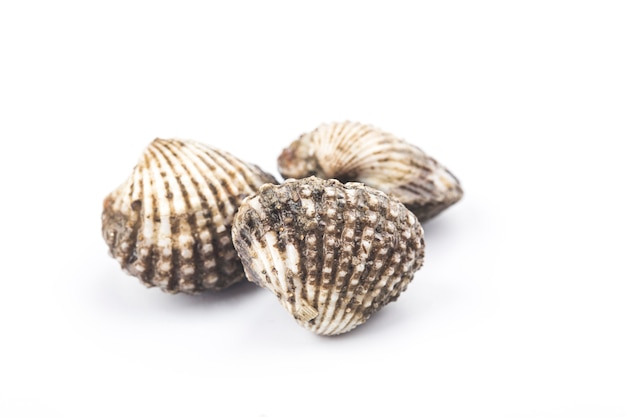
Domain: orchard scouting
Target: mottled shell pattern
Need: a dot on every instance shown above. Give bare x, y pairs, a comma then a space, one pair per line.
333, 254
352, 151
170, 223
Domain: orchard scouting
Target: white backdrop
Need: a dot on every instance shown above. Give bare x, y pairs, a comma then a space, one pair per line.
520, 307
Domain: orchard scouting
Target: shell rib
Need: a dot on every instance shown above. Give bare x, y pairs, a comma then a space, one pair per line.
352, 151
333, 254
169, 224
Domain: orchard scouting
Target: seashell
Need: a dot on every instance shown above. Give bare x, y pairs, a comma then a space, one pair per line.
351, 151
169, 224
333, 254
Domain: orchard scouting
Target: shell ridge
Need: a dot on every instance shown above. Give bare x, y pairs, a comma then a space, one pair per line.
209, 191
345, 259
173, 194
338, 148
318, 231
176, 195
329, 154
177, 220
290, 246
190, 220
224, 183
185, 176
386, 161
234, 182
291, 261
319, 149
199, 163
334, 154
255, 253
248, 172
266, 270
160, 215
358, 290
289, 252
356, 200
266, 261
375, 256
334, 147
369, 296
277, 267
331, 238
360, 136
205, 161
405, 276
343, 265
272, 254
203, 239
345, 233
309, 249
143, 226
215, 187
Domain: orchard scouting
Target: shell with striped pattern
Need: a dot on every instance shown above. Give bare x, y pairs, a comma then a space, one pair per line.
352, 151
169, 224
333, 254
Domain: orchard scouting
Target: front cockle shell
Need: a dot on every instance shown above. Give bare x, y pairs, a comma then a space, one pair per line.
333, 254
170, 223
352, 151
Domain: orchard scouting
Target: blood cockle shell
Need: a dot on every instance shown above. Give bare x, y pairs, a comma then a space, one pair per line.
333, 254
352, 151
169, 223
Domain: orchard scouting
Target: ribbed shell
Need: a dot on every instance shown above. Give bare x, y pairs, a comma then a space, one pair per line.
169, 224
333, 254
352, 151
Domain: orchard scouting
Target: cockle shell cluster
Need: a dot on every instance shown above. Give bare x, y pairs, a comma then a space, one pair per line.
351, 151
337, 241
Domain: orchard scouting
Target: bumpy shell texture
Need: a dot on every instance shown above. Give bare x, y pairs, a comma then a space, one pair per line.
352, 151
170, 223
333, 254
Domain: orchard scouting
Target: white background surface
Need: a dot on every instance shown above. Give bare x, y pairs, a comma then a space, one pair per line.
520, 308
